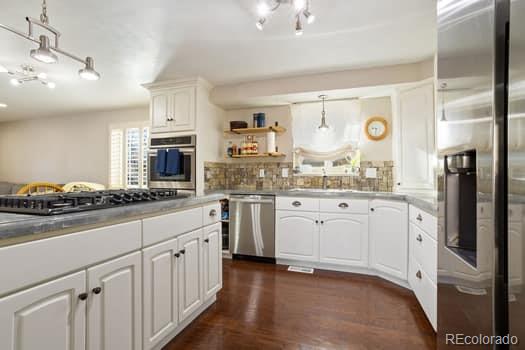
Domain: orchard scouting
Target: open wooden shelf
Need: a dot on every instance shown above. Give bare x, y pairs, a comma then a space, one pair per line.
251, 131
260, 155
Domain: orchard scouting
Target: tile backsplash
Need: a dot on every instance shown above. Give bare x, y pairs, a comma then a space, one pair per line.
246, 176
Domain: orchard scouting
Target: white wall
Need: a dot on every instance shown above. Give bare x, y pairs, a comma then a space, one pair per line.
61, 149
371, 150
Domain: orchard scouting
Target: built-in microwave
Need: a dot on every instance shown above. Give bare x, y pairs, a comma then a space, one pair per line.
186, 145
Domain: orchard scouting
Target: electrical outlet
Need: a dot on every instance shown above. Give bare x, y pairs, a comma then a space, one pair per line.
261, 172
284, 172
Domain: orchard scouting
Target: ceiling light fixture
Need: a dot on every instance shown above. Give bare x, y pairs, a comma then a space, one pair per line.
3, 105
3, 69
46, 52
15, 82
26, 73
323, 126
300, 7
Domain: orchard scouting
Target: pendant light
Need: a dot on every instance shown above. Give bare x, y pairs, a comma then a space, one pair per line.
323, 126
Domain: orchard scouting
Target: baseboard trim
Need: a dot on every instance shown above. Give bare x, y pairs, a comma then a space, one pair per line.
184, 324
342, 268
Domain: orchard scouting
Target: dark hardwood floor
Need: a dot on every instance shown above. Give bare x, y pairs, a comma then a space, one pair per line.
263, 306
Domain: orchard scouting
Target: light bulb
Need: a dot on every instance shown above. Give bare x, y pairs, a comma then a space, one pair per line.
3, 105
299, 4
263, 9
15, 82
3, 69
310, 17
42, 75
51, 85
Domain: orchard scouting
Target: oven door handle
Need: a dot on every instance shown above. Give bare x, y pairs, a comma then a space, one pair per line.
251, 201
182, 150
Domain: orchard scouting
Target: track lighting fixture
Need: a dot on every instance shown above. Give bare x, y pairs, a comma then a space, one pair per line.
300, 7
47, 51
26, 74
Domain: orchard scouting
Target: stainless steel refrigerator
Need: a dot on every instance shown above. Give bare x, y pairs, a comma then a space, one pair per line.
481, 172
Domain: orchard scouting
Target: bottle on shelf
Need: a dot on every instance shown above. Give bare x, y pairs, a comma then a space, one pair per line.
229, 150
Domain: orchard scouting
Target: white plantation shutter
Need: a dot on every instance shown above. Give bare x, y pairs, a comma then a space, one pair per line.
116, 171
129, 157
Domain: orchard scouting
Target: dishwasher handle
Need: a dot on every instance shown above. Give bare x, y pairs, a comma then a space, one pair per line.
252, 201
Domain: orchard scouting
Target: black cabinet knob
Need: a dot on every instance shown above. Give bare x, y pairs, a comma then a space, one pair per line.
97, 290
183, 251
83, 296
177, 255
322, 222
316, 221
207, 240
372, 209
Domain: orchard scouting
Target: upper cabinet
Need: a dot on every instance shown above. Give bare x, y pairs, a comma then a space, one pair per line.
414, 138
173, 110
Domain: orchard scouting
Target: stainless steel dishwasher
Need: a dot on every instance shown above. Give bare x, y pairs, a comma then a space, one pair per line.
252, 226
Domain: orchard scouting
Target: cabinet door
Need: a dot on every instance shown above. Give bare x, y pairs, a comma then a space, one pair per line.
159, 110
190, 273
48, 316
515, 254
160, 291
212, 260
114, 313
343, 239
388, 237
415, 138
183, 109
297, 235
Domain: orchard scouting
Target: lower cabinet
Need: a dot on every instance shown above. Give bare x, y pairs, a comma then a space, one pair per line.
297, 235
160, 289
190, 273
49, 316
114, 305
212, 249
343, 239
389, 237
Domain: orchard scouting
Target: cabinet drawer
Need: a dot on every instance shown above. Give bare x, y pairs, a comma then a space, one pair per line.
297, 203
32, 262
424, 250
425, 291
344, 205
423, 220
211, 214
161, 228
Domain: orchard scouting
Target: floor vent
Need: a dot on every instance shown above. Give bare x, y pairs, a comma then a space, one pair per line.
301, 269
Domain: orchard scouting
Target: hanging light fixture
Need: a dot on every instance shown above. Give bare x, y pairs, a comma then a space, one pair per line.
26, 73
46, 52
300, 7
323, 125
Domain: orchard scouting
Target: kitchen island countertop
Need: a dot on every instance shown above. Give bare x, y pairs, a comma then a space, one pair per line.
16, 228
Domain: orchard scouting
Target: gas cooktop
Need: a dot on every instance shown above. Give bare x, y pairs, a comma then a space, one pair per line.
61, 203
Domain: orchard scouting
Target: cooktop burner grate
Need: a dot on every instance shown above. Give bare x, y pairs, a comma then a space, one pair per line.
61, 203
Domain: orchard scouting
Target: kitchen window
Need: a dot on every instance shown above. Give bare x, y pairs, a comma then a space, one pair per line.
128, 163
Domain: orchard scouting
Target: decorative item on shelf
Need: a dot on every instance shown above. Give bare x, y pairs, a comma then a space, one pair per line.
234, 149
376, 128
270, 142
46, 52
229, 150
238, 124
255, 120
261, 120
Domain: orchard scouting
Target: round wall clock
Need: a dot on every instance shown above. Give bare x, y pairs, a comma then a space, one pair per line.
376, 128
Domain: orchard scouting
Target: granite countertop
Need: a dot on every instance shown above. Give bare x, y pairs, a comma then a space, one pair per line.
423, 202
28, 227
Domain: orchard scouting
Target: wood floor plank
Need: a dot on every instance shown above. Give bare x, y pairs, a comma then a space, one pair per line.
263, 306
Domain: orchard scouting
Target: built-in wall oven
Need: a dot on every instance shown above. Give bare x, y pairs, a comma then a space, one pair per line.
185, 178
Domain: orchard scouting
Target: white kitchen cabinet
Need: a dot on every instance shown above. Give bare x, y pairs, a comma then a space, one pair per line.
297, 235
414, 138
212, 251
160, 289
190, 273
173, 110
343, 239
49, 316
388, 230
114, 314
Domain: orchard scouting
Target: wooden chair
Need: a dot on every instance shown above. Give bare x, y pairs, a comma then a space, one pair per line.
39, 188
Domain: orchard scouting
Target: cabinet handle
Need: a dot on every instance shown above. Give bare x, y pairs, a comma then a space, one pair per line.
343, 205
372, 209
177, 255
316, 221
419, 238
96, 290
83, 296
296, 203
183, 251
213, 212
207, 240
419, 217
418, 274
322, 222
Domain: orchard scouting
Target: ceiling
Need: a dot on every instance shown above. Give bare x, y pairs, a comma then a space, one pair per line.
135, 42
